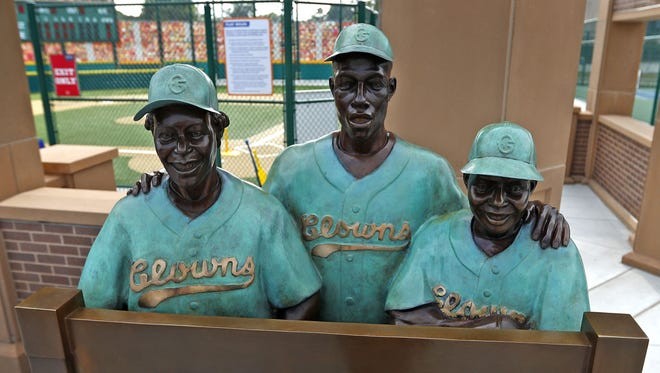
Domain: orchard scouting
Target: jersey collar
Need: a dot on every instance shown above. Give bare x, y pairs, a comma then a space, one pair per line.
337, 176
474, 259
206, 223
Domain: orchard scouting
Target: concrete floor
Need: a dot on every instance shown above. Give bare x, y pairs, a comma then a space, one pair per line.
613, 287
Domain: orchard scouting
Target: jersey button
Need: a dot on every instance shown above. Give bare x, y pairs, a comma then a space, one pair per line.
356, 209
487, 293
194, 306
197, 235
350, 301
349, 257
495, 269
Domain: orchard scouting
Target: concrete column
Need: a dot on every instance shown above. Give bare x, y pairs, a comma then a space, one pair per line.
646, 248
461, 65
19, 150
20, 168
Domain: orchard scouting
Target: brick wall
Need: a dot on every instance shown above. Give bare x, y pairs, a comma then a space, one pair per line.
46, 254
579, 161
620, 167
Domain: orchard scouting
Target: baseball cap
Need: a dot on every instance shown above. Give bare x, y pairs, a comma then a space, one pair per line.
180, 84
503, 149
362, 38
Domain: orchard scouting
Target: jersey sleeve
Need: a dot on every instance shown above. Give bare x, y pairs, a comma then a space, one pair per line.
409, 287
290, 274
104, 279
449, 195
274, 184
566, 297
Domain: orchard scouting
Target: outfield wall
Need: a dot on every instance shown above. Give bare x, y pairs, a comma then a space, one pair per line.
94, 76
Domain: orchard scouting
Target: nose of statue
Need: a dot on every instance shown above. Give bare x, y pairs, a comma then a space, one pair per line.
499, 198
182, 146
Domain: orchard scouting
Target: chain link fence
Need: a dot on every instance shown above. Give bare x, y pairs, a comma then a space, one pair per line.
117, 48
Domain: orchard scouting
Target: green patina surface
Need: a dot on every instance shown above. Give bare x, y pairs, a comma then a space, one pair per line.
358, 230
241, 257
544, 289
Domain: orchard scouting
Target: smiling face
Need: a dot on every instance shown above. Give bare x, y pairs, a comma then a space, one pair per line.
362, 87
497, 203
185, 143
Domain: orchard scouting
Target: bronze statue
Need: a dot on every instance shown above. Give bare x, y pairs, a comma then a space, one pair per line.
480, 268
360, 193
207, 243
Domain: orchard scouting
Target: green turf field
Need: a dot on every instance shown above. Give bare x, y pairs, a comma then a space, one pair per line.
97, 125
124, 175
110, 124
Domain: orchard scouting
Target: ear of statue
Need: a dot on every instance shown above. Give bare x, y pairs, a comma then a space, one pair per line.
331, 84
532, 185
149, 122
219, 122
224, 120
392, 88
466, 177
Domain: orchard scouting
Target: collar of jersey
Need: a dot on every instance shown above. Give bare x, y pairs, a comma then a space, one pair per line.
336, 174
474, 259
210, 220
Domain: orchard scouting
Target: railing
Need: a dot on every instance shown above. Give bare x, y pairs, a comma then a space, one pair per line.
61, 335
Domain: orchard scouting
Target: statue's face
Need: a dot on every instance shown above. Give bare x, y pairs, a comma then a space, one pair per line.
497, 203
185, 143
362, 87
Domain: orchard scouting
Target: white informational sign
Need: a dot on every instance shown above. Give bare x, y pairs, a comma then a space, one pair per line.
247, 56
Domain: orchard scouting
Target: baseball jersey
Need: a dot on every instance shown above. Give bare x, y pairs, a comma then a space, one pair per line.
241, 257
530, 287
357, 230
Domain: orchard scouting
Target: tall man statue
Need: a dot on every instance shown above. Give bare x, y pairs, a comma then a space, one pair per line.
360, 193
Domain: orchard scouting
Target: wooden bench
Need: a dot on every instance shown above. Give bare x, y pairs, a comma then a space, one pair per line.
60, 335
79, 166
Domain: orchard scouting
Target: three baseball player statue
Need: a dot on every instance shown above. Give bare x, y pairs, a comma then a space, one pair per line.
206, 242
479, 267
359, 194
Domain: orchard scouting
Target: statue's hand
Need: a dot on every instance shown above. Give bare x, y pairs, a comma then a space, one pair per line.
146, 182
549, 226
428, 314
305, 310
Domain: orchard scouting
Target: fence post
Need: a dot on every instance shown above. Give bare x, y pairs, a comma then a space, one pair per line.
210, 42
41, 74
191, 25
289, 92
361, 11
373, 18
210, 56
161, 52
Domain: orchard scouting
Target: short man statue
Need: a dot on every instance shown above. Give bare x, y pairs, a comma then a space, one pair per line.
480, 268
358, 194
206, 242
